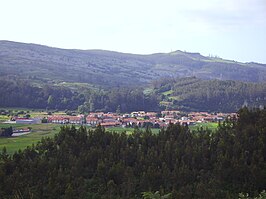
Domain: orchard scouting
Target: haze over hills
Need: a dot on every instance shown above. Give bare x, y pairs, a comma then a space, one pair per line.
107, 68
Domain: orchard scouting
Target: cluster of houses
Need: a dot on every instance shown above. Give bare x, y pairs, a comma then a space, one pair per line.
139, 118
66, 119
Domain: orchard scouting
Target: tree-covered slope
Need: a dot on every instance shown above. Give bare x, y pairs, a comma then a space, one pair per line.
188, 94
98, 164
21, 93
194, 94
45, 64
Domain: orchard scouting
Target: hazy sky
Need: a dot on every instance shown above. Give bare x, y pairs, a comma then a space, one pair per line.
231, 29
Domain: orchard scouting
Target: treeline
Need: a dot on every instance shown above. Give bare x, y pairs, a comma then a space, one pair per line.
98, 164
187, 94
6, 132
193, 94
119, 100
20, 93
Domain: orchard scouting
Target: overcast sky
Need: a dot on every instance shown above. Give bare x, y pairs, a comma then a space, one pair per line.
231, 29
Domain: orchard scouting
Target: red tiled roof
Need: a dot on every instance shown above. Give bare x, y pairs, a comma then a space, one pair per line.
109, 123
92, 119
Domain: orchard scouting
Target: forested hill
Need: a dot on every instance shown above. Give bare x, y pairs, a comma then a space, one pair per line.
45, 64
194, 94
188, 94
82, 163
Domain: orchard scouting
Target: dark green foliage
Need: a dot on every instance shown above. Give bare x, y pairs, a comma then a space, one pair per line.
262, 195
6, 132
20, 93
188, 94
119, 99
98, 164
193, 94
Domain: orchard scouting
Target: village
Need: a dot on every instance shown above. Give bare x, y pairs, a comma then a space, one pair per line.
140, 119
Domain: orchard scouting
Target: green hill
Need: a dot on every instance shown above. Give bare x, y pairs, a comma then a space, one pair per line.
40, 64
194, 94
188, 94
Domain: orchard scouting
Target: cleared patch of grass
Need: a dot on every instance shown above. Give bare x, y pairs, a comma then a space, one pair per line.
76, 85
38, 132
59, 113
168, 92
4, 118
148, 91
128, 130
174, 97
210, 126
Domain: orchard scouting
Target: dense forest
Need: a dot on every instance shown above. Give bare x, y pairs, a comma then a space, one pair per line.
193, 94
81, 163
119, 100
21, 93
187, 94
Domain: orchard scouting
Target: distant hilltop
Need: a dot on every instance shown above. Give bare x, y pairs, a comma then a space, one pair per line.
106, 68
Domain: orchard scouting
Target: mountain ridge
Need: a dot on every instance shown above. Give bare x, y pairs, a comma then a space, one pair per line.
111, 68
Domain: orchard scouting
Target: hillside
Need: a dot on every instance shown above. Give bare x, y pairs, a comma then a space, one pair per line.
42, 64
194, 94
188, 94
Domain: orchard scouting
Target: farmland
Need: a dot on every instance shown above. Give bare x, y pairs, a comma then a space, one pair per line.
38, 132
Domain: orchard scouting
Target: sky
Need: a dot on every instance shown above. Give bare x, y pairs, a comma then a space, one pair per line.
230, 29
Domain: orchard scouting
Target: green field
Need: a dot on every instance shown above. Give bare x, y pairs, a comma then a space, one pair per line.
168, 92
3, 118
38, 131
210, 126
33, 112
128, 130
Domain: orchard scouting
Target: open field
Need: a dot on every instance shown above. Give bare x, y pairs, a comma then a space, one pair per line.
32, 112
168, 92
128, 130
3, 118
38, 132
210, 126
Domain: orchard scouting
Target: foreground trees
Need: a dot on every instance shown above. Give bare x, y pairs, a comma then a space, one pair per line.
98, 164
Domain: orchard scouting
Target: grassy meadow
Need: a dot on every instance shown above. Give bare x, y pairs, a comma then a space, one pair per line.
210, 126
38, 132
